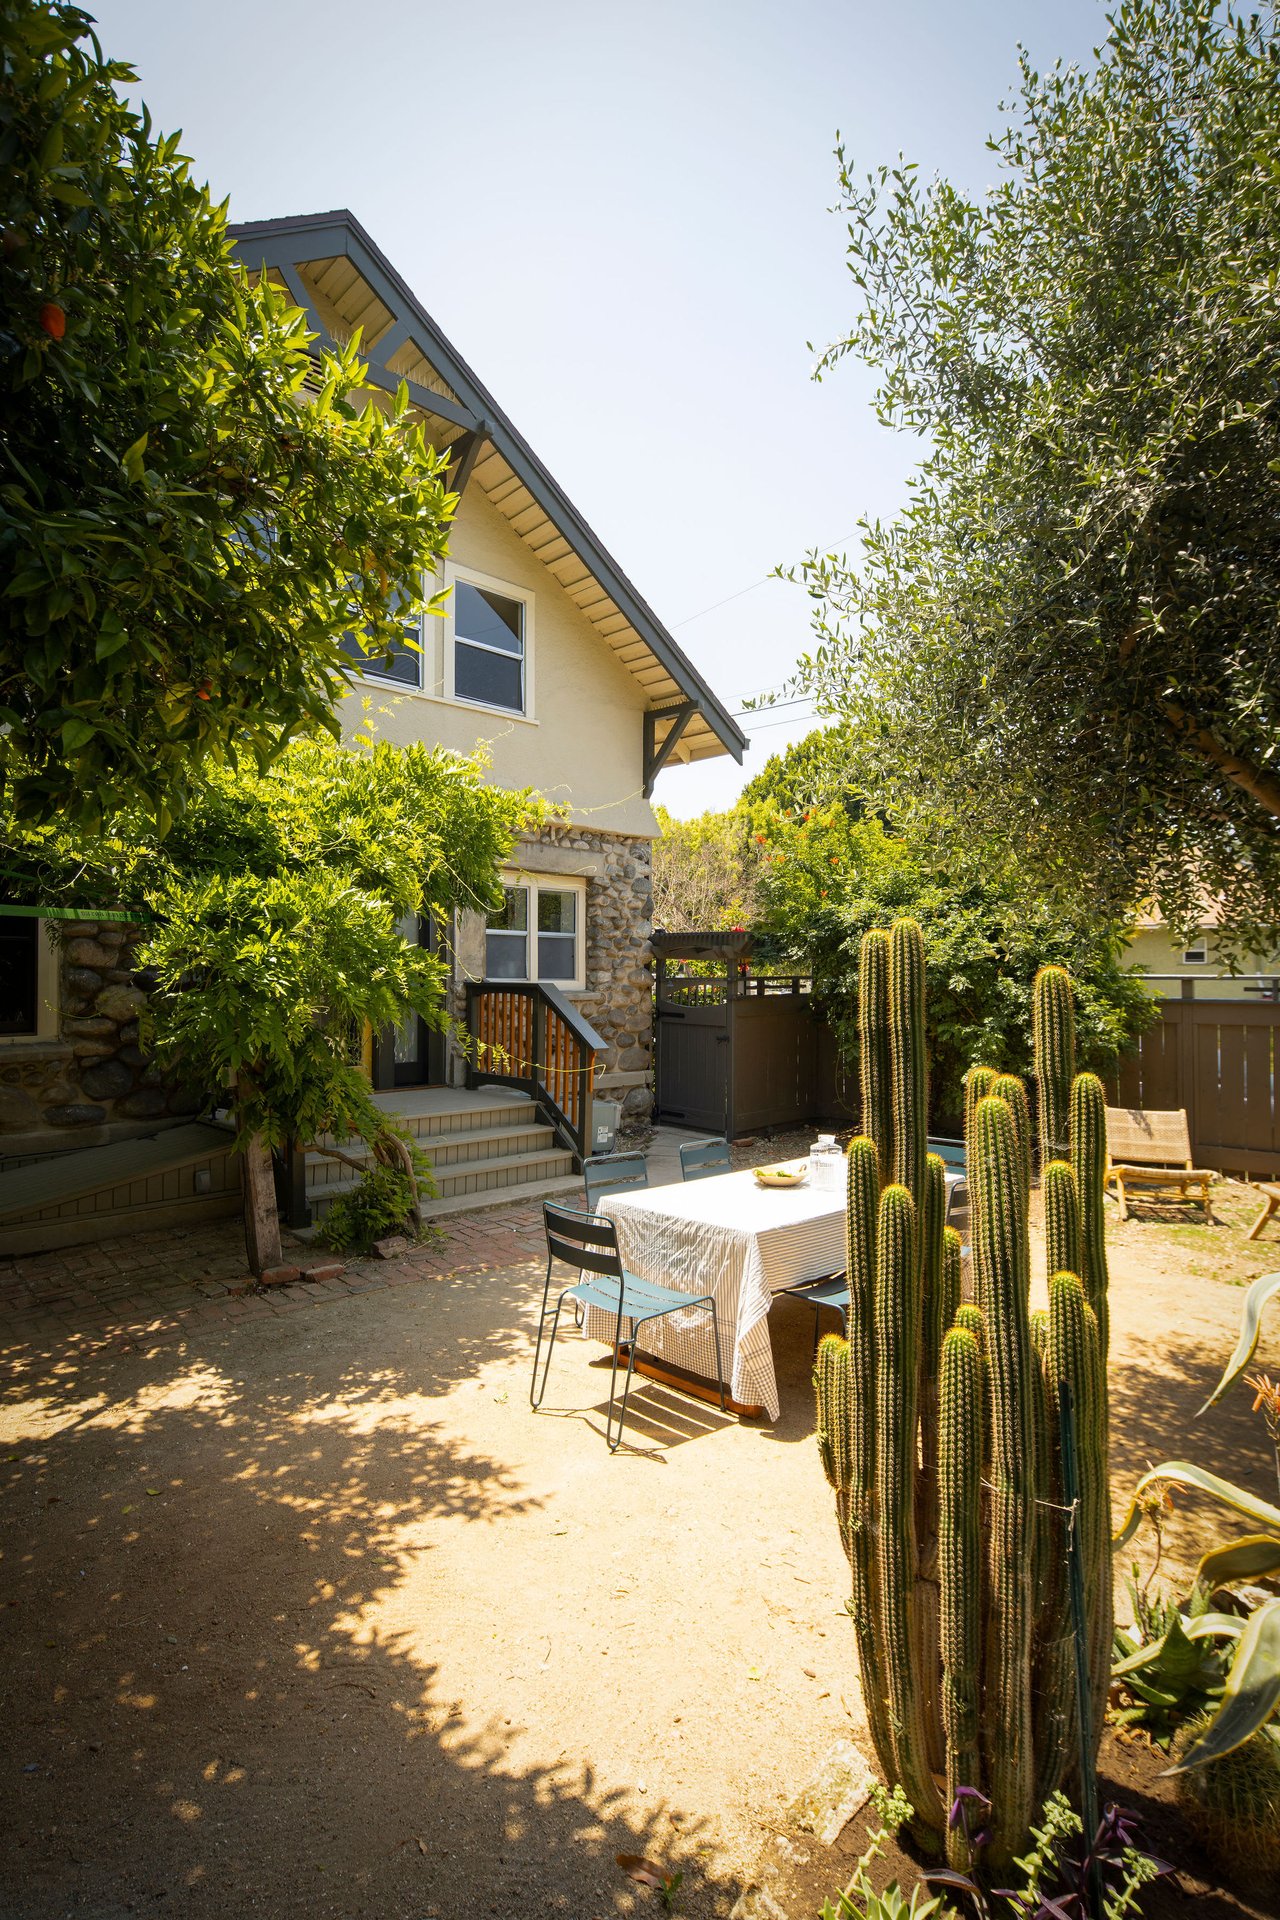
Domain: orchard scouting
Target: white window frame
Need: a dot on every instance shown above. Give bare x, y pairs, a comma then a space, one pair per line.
369, 673
1197, 956
533, 884
46, 1027
454, 572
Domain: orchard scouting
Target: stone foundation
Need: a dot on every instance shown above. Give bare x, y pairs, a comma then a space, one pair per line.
92, 1083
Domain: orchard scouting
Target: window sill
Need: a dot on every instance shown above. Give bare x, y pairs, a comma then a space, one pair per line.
400, 690
31, 1046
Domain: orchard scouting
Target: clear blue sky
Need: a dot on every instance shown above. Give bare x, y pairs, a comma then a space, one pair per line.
618, 211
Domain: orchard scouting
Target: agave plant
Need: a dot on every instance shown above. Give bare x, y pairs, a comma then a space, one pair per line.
1167, 1669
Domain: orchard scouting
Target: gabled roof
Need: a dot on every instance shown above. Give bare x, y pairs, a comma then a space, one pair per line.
341, 280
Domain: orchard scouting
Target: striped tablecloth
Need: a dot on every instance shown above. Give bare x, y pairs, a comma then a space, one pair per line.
737, 1241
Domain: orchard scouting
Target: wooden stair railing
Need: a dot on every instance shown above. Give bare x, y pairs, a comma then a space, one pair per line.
522, 1034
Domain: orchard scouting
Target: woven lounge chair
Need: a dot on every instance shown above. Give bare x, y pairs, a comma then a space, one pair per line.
1153, 1150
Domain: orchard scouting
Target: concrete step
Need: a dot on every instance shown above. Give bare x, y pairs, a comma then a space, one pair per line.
444, 1150
495, 1177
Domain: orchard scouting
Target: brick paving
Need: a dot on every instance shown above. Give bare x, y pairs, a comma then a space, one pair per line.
147, 1289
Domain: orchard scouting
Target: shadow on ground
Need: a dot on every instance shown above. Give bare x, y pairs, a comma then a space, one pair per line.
199, 1717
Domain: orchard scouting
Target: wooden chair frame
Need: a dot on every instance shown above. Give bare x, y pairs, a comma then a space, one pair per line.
1151, 1148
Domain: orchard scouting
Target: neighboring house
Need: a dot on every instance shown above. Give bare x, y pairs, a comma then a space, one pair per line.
1194, 968
547, 652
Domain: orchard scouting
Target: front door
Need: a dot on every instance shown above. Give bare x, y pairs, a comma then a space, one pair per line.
412, 1054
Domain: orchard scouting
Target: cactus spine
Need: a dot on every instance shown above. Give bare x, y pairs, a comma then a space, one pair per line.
936, 1420
1053, 1020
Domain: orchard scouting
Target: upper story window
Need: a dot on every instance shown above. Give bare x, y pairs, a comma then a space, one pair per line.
401, 661
537, 933
1195, 956
489, 646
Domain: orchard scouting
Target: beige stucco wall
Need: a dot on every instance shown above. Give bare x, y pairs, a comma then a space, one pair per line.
582, 743
1156, 951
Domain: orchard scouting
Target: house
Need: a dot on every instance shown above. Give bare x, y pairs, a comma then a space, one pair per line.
547, 652
1195, 968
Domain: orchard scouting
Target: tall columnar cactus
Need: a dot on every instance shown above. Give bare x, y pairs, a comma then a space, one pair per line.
937, 1423
874, 1066
907, 1058
1061, 1218
961, 1462
1089, 1161
1053, 1021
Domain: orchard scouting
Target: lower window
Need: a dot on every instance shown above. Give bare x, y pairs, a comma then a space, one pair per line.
537, 933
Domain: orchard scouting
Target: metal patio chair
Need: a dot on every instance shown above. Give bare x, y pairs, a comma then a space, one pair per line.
699, 1159
831, 1291
590, 1243
613, 1173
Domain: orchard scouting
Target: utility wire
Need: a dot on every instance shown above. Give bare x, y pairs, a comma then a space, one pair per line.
828, 547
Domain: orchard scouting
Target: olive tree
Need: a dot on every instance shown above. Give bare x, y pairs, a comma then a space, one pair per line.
1066, 650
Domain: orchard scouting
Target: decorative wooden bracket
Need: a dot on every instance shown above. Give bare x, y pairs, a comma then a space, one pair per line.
657, 753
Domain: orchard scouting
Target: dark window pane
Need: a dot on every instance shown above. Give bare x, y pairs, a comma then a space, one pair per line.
556, 911
506, 956
490, 618
493, 679
555, 956
19, 973
513, 915
402, 663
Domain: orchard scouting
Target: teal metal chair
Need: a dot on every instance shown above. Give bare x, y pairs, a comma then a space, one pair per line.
699, 1159
831, 1291
590, 1243
613, 1173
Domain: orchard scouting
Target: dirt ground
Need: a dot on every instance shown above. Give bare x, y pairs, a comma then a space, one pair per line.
312, 1616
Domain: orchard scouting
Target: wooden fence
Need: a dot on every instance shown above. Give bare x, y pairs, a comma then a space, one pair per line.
1220, 1060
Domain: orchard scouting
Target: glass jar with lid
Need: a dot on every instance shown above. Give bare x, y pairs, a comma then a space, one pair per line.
825, 1164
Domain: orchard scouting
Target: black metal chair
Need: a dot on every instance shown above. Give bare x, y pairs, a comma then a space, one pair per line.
590, 1243
701, 1158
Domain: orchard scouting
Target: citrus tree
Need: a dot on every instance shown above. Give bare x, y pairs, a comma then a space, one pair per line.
183, 540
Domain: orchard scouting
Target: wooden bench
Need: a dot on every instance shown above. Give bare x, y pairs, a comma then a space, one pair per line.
1148, 1149
1268, 1192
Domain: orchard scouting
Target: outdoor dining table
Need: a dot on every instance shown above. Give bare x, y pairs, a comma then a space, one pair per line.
741, 1243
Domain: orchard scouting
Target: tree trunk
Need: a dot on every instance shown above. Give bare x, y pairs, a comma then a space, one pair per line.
261, 1216
1264, 787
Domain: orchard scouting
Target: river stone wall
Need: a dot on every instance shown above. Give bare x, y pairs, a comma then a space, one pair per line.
618, 996
91, 1083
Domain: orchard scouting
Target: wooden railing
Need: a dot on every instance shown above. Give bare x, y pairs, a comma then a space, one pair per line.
520, 1034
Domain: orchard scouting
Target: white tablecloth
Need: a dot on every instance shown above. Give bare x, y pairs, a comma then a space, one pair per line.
737, 1241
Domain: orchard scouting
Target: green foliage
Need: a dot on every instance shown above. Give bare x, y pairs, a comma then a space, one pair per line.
939, 1432
184, 538
381, 1203
826, 879
813, 772
1066, 650
270, 912
705, 872
859, 1900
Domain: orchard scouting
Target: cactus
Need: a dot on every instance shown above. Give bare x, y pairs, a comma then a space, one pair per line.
897, 1332
1061, 1218
1089, 1162
960, 1465
1053, 1023
907, 1059
937, 1422
873, 1047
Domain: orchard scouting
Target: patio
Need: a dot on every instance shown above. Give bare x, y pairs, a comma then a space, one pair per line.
309, 1614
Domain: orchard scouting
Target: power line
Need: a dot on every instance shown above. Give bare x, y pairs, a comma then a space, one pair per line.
828, 547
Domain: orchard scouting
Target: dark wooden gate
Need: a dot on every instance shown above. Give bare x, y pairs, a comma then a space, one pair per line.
736, 1051
1220, 1059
